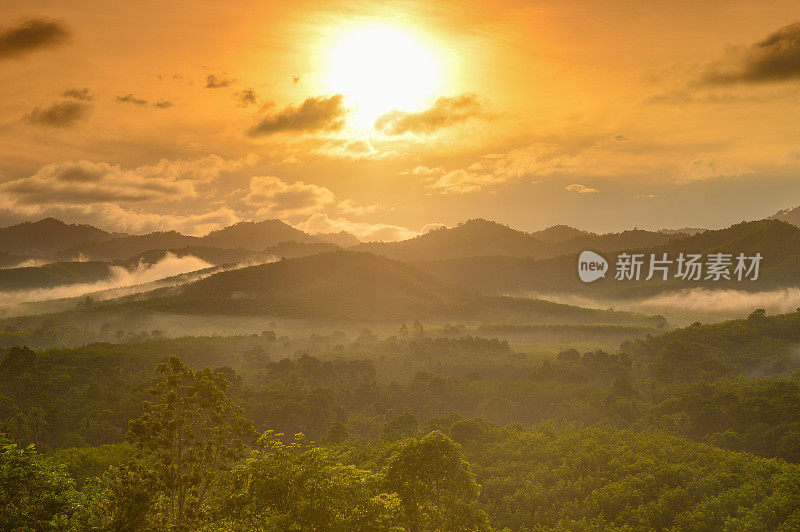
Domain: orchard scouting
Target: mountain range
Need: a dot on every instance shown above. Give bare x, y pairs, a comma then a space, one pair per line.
486, 238
778, 242
350, 285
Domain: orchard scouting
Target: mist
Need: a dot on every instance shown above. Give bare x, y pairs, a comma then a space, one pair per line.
120, 277
703, 300
696, 301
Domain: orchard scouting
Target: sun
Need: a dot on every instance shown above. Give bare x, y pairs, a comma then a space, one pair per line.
379, 69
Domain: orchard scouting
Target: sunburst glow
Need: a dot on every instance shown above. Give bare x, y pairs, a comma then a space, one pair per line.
379, 69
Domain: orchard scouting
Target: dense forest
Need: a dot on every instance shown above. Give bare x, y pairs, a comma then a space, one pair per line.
690, 429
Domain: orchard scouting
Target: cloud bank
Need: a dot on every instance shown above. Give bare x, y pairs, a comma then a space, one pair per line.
31, 35
775, 58
314, 114
443, 113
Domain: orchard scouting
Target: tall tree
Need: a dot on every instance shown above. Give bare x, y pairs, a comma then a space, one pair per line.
435, 485
194, 431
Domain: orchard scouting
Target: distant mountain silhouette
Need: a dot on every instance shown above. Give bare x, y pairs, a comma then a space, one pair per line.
342, 239
256, 235
47, 237
209, 254
777, 241
558, 233
485, 238
128, 246
790, 215
347, 285
248, 236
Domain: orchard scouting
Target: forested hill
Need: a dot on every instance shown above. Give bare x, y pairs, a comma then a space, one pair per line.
777, 242
350, 285
757, 345
479, 237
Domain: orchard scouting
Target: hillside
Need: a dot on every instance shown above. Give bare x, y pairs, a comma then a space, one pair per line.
347, 285
778, 243
209, 254
47, 237
485, 238
758, 345
256, 235
51, 275
128, 246
342, 239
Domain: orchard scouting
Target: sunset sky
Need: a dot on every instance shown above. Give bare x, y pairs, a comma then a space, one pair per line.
387, 118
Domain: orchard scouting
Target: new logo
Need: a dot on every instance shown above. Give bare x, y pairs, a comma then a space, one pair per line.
591, 266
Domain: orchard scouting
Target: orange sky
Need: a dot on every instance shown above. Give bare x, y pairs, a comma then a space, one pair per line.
604, 115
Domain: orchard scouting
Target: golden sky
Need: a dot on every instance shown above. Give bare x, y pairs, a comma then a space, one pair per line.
385, 118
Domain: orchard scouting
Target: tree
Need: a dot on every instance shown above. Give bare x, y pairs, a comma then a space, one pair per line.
436, 488
194, 432
299, 487
34, 494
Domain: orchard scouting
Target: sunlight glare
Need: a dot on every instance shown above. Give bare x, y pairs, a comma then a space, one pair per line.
380, 69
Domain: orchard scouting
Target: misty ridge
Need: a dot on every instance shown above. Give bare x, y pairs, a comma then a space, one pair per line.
118, 277
481, 256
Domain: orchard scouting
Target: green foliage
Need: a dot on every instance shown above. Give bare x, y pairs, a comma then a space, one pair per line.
194, 432
85, 463
300, 487
435, 485
34, 493
603, 479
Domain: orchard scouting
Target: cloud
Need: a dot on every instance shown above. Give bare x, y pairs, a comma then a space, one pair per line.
366, 232
214, 81
246, 98
775, 58
80, 183
423, 171
274, 197
63, 113
707, 168
580, 189
30, 35
84, 95
315, 114
443, 113
352, 149
463, 181
131, 99
537, 159
644, 196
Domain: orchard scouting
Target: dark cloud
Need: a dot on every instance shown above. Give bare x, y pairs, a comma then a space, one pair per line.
30, 35
444, 112
246, 98
315, 114
776, 58
214, 81
84, 95
130, 98
63, 113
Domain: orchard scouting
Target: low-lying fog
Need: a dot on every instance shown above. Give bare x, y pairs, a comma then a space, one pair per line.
700, 301
138, 278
